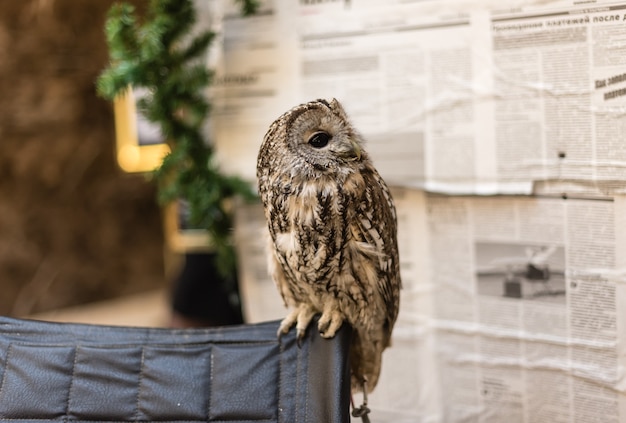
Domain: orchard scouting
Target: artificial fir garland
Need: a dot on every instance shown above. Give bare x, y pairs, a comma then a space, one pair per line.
155, 55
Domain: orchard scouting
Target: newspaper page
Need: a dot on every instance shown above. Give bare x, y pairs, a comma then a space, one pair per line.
528, 302
407, 391
481, 100
254, 82
560, 86
261, 300
453, 97
403, 77
512, 308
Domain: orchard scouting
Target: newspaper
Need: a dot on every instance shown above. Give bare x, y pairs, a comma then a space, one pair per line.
255, 82
527, 308
559, 75
511, 308
477, 101
501, 99
261, 300
512, 301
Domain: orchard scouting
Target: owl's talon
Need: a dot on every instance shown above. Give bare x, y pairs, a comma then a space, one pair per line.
329, 323
305, 314
299, 337
287, 323
301, 317
322, 325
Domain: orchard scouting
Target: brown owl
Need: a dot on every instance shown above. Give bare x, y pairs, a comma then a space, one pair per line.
332, 223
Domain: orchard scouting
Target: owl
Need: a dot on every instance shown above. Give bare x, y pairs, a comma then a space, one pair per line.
333, 238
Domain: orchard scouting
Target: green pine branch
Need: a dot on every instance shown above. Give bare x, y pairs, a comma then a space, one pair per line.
248, 7
156, 55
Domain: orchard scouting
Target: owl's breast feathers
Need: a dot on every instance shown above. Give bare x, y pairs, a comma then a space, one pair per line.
337, 234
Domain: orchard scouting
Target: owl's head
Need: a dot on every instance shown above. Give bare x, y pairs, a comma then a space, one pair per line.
320, 134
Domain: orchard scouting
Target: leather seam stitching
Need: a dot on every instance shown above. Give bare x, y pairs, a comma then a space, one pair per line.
6, 369
140, 384
72, 379
212, 364
281, 380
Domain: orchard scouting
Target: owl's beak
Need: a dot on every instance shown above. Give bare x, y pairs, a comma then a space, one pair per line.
356, 149
350, 150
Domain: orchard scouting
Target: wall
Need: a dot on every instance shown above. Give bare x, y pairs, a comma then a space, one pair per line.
73, 227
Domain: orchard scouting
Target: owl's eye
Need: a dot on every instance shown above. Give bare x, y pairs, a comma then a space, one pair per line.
319, 139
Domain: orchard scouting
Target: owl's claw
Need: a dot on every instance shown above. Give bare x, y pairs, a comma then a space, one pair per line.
305, 314
301, 317
287, 323
299, 337
330, 322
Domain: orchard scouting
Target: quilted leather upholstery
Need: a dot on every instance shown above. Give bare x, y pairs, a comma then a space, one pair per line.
89, 373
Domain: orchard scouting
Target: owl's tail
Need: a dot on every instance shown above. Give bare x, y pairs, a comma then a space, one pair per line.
366, 351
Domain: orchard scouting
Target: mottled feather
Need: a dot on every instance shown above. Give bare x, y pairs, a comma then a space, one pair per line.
332, 224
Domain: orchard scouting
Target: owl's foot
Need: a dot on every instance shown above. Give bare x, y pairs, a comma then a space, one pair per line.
330, 322
363, 410
301, 317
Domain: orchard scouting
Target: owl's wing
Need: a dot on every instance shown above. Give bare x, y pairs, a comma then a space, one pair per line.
277, 274
377, 225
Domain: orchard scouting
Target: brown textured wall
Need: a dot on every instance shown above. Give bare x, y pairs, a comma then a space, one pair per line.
73, 227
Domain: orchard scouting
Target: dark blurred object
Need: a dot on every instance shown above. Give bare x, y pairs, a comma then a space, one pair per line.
513, 288
537, 273
74, 227
55, 372
202, 296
